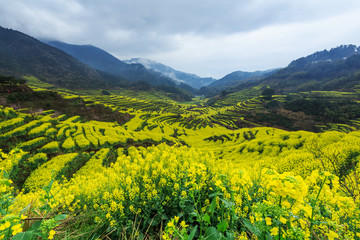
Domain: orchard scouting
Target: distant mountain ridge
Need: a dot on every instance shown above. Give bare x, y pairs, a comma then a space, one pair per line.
341, 52
22, 55
337, 69
181, 77
104, 61
239, 77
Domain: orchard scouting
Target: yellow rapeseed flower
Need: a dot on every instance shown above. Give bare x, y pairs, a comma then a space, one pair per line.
183, 224
332, 235
7, 224
51, 234
283, 220
170, 224
268, 221
16, 229
274, 231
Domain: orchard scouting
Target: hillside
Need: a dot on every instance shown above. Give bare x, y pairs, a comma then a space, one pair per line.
264, 159
334, 70
235, 81
22, 55
181, 77
238, 77
172, 170
103, 61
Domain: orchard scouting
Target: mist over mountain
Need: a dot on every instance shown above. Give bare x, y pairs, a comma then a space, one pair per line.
104, 61
181, 77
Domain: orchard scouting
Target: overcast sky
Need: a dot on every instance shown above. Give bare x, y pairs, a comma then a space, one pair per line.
204, 37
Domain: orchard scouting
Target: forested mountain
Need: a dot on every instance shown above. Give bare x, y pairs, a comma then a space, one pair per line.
133, 162
22, 55
103, 61
181, 77
337, 69
338, 53
238, 77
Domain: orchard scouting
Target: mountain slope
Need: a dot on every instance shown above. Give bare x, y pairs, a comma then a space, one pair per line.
181, 77
103, 61
334, 70
339, 53
22, 55
238, 77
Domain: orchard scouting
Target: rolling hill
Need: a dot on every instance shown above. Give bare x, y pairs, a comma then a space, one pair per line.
22, 55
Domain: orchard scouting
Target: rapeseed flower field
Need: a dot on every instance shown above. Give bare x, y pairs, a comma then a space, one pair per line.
156, 178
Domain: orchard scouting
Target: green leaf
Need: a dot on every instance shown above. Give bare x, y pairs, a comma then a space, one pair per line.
195, 214
228, 204
25, 209
34, 226
6, 175
221, 227
252, 228
192, 233
268, 237
215, 194
206, 218
28, 235
212, 233
230, 236
213, 205
60, 217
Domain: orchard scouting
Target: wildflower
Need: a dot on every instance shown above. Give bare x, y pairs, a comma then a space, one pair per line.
51, 234
274, 231
268, 221
2, 227
283, 220
170, 224
16, 229
97, 219
183, 225
7, 224
332, 235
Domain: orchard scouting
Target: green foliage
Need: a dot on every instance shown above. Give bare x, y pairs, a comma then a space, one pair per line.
105, 92
267, 93
51, 147
215, 180
11, 80
335, 112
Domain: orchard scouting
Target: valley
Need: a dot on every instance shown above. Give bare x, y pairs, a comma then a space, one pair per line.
89, 154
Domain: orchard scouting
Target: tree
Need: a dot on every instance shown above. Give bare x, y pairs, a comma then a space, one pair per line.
267, 93
105, 92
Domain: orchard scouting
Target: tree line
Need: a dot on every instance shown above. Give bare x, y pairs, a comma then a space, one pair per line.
9, 80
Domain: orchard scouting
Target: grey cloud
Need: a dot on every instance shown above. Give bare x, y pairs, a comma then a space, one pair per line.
174, 29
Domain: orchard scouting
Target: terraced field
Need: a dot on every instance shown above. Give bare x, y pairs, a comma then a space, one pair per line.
175, 171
